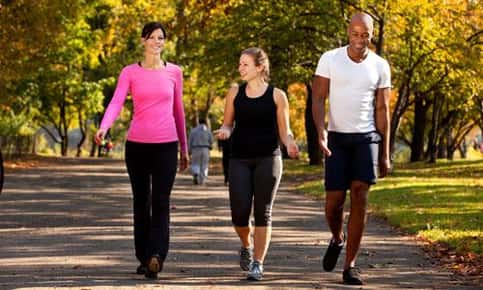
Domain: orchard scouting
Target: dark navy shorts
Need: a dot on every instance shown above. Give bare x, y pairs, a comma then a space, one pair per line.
354, 157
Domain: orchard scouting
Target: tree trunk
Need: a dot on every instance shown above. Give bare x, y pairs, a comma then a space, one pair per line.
442, 144
34, 144
417, 144
479, 101
315, 154
83, 129
450, 154
433, 135
380, 39
63, 129
1, 171
209, 102
457, 141
399, 109
94, 146
195, 116
64, 146
463, 149
449, 148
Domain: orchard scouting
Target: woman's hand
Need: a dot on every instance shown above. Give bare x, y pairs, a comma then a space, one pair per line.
99, 137
292, 148
183, 161
223, 133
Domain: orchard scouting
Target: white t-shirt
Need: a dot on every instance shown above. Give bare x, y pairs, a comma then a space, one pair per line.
352, 89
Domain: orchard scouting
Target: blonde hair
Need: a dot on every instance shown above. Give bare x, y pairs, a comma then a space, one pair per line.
261, 59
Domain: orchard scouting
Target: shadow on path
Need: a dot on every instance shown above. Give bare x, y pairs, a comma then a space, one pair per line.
69, 224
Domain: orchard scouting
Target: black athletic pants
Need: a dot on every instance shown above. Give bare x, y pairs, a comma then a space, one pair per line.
152, 169
253, 180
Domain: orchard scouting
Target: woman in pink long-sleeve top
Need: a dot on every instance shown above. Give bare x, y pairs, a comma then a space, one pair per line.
156, 129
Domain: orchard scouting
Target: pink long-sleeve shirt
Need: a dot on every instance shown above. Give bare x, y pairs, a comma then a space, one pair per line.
158, 115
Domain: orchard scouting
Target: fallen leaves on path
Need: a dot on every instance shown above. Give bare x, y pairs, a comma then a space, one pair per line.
468, 265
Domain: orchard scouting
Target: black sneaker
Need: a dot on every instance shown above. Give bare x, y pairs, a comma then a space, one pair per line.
352, 276
245, 258
155, 265
256, 271
332, 254
195, 179
151, 275
141, 269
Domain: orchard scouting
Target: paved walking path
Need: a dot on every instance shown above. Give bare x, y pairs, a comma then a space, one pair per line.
68, 224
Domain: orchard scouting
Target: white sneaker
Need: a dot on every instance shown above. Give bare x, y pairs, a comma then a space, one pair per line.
256, 271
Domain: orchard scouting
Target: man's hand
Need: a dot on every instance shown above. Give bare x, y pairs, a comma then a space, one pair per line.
384, 167
323, 144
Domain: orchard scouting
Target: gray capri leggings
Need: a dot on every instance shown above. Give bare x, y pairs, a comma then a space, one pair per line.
257, 180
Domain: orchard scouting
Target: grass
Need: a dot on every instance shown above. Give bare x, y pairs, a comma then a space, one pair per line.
440, 202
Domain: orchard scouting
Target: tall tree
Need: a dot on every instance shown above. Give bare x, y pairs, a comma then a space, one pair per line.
27, 29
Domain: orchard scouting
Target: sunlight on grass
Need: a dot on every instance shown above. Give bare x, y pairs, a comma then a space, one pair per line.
300, 167
465, 239
312, 188
442, 202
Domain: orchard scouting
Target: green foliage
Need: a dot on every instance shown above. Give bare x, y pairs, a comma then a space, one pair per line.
27, 29
61, 54
12, 124
433, 60
212, 34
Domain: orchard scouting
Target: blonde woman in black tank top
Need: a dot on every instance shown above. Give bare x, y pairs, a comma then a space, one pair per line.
256, 118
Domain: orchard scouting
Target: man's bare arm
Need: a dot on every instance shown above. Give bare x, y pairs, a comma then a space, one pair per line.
320, 92
383, 127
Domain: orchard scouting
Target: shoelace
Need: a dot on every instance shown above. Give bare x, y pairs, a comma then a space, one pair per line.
245, 253
256, 269
355, 271
331, 241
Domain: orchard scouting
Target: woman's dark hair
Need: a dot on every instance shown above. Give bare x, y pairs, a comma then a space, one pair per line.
150, 27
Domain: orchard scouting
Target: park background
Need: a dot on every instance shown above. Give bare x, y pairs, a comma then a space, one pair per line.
60, 60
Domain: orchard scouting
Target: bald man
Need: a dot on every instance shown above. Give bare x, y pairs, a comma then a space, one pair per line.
357, 83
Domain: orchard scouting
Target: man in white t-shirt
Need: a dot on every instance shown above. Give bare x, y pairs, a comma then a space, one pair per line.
357, 83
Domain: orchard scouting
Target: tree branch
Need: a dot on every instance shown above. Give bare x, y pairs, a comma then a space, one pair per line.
438, 82
54, 138
474, 35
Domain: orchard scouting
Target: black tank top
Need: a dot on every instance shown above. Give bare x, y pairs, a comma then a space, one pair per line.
256, 132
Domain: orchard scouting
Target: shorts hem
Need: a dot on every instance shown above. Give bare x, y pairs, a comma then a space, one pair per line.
344, 188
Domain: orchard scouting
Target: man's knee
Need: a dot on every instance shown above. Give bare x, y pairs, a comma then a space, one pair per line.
360, 187
335, 200
359, 193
